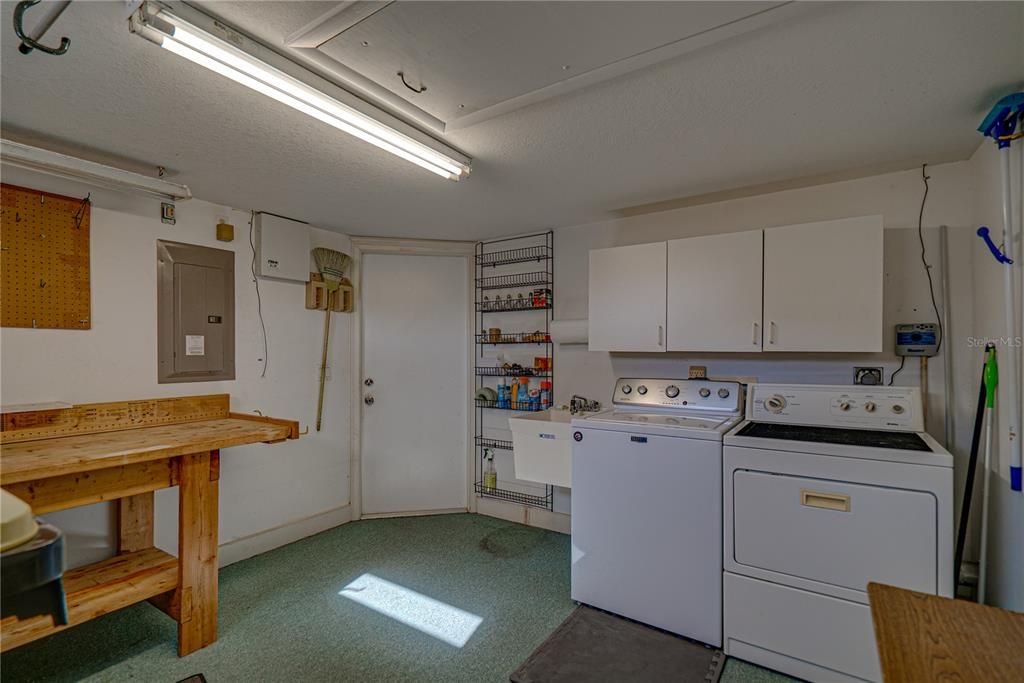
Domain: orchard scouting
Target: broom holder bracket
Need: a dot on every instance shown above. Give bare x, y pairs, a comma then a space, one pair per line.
318, 298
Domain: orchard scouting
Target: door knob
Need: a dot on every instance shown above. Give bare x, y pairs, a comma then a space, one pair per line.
368, 381
368, 400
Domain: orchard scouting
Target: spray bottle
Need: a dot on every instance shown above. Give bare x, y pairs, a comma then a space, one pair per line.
490, 473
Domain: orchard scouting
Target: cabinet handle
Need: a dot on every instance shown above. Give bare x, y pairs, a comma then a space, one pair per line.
771, 332
754, 340
661, 335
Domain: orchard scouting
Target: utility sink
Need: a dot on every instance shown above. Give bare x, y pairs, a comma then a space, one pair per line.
542, 446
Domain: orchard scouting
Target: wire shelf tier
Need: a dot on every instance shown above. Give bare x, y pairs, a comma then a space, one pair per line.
537, 337
536, 279
504, 305
487, 442
530, 499
511, 372
507, 257
520, 406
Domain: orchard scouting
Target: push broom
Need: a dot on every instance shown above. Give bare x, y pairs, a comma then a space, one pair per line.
331, 265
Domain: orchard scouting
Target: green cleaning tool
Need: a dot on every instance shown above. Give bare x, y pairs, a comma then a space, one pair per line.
991, 377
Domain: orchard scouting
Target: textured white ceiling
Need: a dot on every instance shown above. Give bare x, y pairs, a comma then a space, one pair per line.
840, 87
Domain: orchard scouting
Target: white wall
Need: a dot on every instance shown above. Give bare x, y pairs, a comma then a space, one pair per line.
1006, 535
896, 196
303, 483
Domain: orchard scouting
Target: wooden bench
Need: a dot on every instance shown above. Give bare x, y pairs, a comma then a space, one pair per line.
64, 457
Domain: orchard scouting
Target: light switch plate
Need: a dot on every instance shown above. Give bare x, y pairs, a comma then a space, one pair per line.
868, 376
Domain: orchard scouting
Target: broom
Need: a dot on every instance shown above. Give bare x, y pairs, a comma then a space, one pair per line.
331, 265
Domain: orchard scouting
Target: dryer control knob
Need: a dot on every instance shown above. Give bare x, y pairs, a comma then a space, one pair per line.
723, 393
671, 391
626, 388
775, 403
641, 390
844, 405
870, 407
704, 392
897, 408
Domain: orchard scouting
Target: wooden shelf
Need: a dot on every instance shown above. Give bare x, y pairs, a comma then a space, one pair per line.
97, 589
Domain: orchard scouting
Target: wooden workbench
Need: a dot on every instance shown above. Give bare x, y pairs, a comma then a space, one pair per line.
62, 458
929, 638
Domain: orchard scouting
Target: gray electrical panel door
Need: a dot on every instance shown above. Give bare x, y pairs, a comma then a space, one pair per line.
196, 313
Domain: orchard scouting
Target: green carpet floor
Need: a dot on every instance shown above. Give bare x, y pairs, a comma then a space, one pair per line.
282, 617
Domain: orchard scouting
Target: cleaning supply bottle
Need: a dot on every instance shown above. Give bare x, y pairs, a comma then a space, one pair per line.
545, 394
490, 473
524, 393
502, 394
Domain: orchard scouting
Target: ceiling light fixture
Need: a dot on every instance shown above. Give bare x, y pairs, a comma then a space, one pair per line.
186, 39
64, 166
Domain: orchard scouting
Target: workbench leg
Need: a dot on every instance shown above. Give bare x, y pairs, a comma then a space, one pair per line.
196, 596
135, 522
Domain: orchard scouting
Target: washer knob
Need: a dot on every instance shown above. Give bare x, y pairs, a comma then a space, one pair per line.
870, 407
671, 391
775, 403
641, 390
844, 405
625, 388
704, 392
897, 408
723, 393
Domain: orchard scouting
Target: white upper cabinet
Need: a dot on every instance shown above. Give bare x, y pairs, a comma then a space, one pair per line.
714, 292
627, 298
823, 286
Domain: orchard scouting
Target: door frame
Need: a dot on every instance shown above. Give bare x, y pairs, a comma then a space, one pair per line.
389, 245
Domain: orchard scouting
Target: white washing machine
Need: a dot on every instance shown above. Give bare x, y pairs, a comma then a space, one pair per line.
647, 504
827, 488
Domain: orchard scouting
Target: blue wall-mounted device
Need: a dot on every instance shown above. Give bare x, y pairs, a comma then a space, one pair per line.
917, 339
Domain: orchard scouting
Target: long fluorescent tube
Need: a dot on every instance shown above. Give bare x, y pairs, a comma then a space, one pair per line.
184, 39
64, 166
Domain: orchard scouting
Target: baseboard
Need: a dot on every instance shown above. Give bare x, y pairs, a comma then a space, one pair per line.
249, 546
542, 519
413, 513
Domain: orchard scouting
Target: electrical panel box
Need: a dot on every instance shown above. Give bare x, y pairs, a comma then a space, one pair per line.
917, 339
195, 313
282, 248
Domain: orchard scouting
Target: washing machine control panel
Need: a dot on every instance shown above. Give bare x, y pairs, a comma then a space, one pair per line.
691, 394
867, 407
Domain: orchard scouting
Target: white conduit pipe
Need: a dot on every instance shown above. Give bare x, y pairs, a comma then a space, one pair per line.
1012, 386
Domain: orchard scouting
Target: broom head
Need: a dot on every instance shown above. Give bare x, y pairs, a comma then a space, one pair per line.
332, 265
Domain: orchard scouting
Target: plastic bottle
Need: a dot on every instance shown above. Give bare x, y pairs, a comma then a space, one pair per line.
490, 473
545, 394
524, 393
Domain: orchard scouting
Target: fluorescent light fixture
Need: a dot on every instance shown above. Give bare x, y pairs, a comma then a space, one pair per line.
175, 34
427, 615
73, 168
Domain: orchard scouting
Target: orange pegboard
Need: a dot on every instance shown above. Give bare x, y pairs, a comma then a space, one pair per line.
44, 260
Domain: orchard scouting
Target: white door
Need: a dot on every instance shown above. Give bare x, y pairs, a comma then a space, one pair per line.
714, 292
627, 298
823, 286
415, 357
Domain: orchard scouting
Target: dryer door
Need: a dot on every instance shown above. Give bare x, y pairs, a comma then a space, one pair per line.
834, 532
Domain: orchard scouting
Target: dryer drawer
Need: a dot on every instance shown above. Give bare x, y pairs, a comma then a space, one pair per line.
833, 532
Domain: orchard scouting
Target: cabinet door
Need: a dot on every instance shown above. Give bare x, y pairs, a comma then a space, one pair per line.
714, 292
823, 286
627, 298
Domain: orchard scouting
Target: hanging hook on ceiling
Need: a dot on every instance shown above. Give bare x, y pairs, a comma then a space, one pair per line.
29, 43
422, 88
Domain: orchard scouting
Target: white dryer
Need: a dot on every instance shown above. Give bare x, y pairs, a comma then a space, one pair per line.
827, 488
647, 504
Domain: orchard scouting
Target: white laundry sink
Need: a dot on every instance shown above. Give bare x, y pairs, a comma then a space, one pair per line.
542, 446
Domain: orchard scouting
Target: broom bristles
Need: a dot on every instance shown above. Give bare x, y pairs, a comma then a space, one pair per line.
331, 265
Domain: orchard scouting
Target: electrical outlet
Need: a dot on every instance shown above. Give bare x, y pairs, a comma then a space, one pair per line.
867, 376
698, 371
